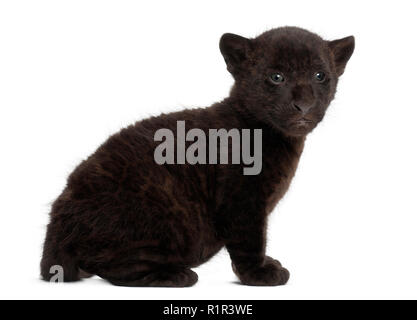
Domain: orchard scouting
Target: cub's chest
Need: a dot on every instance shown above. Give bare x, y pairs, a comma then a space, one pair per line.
279, 172
276, 190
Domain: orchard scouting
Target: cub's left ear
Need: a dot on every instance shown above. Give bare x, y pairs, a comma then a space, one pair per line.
342, 50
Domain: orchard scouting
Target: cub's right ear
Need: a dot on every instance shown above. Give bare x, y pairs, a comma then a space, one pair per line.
235, 50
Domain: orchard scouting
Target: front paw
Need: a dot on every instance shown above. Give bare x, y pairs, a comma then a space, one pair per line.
270, 273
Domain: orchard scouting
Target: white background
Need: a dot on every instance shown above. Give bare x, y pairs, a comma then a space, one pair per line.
73, 72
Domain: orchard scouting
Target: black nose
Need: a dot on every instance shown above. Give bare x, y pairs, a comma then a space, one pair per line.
302, 107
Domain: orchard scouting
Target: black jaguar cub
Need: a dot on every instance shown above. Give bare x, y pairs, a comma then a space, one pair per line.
134, 222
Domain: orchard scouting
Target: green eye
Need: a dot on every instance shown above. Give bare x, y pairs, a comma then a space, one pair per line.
320, 76
277, 78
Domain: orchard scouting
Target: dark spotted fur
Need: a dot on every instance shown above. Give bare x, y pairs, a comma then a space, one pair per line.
135, 223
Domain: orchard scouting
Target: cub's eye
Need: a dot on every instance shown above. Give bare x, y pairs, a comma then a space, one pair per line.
319, 76
277, 78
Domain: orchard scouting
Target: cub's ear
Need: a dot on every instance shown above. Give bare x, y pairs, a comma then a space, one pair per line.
342, 50
235, 50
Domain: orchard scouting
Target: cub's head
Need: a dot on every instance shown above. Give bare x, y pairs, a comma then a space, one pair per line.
286, 77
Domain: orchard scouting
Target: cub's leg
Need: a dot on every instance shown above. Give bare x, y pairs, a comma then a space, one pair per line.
149, 275
245, 242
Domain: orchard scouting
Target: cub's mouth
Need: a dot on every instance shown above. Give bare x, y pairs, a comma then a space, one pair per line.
303, 122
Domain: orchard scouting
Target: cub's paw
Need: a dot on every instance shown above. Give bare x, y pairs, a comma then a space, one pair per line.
270, 273
178, 277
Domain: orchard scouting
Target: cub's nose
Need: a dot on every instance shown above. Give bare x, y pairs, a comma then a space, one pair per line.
303, 98
304, 108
